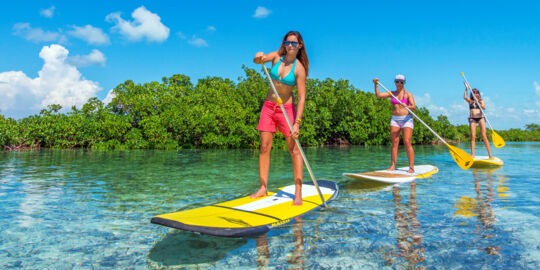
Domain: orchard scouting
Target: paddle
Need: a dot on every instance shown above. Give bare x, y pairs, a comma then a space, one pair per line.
496, 138
280, 102
461, 157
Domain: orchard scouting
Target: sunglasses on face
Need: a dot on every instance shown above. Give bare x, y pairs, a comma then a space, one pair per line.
293, 43
398, 81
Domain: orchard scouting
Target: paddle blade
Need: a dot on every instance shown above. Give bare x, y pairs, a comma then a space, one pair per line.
463, 160
497, 139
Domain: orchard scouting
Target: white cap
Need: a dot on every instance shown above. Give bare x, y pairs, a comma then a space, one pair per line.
400, 77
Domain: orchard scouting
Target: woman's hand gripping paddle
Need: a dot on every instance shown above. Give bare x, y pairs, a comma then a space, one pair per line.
496, 138
280, 102
461, 157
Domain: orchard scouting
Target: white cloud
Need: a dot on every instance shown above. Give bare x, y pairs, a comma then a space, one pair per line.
537, 87
261, 12
455, 112
47, 13
145, 25
422, 100
90, 34
181, 35
197, 42
211, 28
26, 31
58, 82
533, 114
495, 111
109, 97
500, 116
94, 58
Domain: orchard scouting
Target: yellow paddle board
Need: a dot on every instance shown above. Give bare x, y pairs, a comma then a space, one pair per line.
485, 161
396, 176
246, 216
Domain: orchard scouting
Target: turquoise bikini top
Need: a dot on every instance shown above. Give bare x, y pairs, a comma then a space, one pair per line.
289, 79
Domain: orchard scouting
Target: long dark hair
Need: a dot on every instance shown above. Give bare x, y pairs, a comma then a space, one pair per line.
302, 55
474, 90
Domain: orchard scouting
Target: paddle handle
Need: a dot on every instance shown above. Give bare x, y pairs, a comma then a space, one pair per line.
291, 129
476, 100
415, 116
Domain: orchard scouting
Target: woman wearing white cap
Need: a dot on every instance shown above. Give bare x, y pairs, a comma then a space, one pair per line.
401, 120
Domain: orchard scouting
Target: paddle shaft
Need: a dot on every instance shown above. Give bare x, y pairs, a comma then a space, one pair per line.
476, 100
415, 116
291, 130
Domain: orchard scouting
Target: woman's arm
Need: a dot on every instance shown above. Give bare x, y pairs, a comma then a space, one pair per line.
465, 94
482, 104
377, 93
300, 75
412, 104
264, 58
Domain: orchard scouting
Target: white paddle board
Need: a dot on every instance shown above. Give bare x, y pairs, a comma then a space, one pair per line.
396, 176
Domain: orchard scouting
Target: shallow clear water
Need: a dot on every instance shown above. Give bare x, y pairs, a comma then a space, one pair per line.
92, 209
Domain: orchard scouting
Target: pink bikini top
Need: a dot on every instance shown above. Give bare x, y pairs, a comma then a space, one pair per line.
404, 100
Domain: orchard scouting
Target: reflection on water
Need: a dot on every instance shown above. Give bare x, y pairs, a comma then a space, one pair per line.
297, 257
502, 189
408, 237
186, 249
481, 206
294, 259
263, 252
484, 197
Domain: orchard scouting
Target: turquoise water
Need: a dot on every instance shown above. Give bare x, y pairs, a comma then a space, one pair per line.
92, 210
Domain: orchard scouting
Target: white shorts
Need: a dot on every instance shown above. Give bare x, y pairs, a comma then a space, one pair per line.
402, 121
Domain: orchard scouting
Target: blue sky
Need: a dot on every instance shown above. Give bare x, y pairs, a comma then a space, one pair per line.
66, 51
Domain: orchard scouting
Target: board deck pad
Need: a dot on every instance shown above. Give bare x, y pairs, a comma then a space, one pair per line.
397, 176
484, 161
246, 216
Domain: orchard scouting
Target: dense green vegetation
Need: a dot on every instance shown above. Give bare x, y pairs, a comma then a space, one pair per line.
219, 113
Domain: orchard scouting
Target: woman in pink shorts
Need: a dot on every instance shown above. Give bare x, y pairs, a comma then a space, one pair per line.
401, 120
290, 69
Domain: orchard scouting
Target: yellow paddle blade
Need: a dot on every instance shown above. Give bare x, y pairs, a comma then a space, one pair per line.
497, 139
463, 160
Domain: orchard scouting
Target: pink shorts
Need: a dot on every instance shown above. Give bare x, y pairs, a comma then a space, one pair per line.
272, 117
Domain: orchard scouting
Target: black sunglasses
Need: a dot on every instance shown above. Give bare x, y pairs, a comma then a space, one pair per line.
399, 81
293, 43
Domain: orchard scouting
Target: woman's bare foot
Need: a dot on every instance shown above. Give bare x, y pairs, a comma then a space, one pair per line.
411, 170
260, 193
392, 168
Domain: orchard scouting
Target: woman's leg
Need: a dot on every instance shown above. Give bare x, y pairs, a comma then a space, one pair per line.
407, 137
394, 138
482, 125
298, 169
472, 124
264, 163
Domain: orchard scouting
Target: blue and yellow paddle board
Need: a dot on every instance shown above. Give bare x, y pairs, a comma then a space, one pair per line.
246, 216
